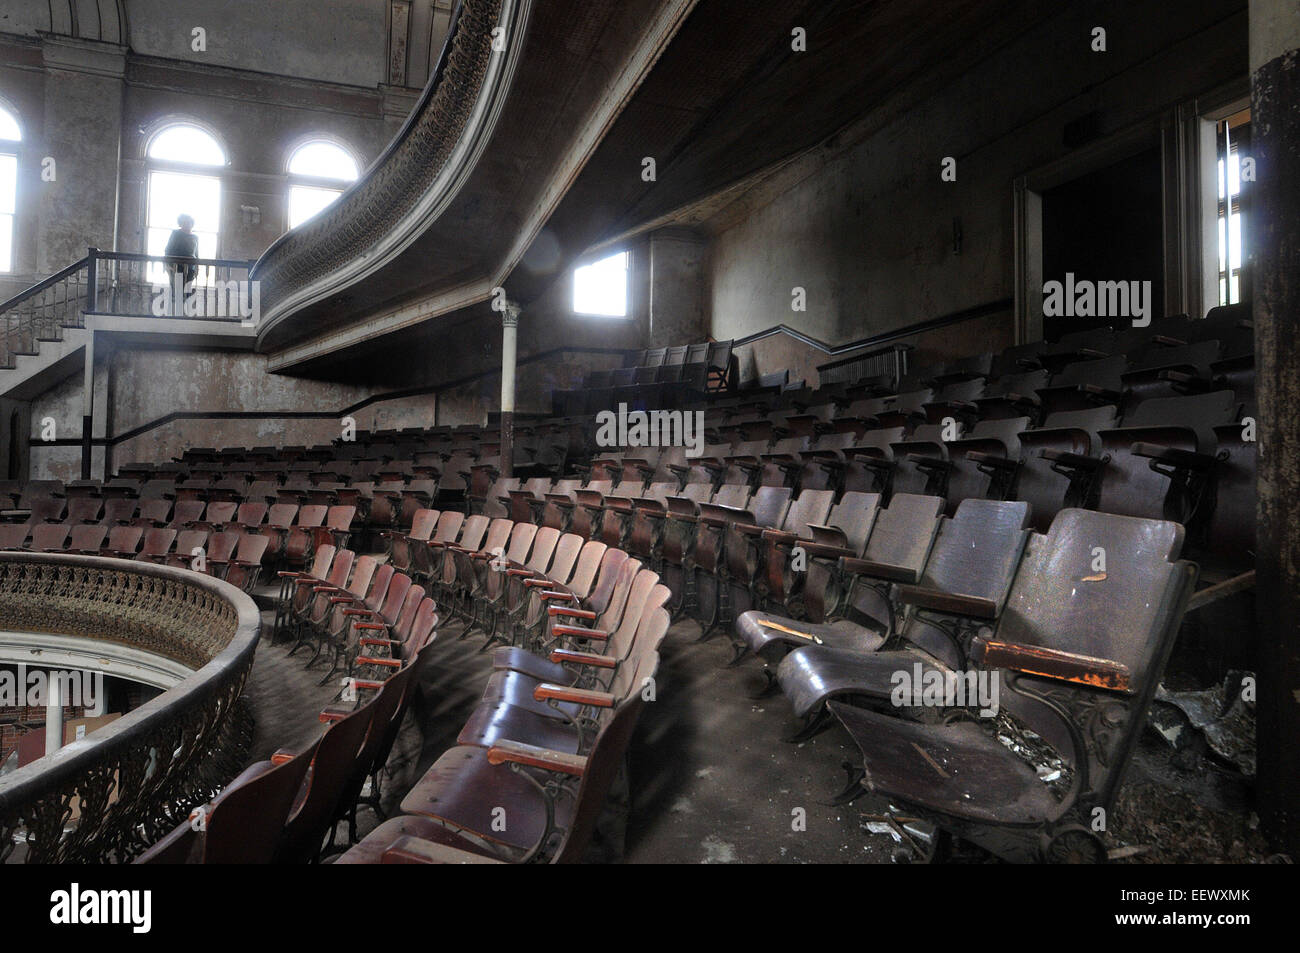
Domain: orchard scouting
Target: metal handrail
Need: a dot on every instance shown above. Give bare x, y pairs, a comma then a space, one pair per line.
134, 779
44, 283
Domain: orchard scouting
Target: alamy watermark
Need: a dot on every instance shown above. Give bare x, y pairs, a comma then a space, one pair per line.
237, 298
1098, 299
651, 428
934, 688
75, 906
40, 688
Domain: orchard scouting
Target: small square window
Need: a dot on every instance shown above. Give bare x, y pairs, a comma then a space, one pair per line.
601, 287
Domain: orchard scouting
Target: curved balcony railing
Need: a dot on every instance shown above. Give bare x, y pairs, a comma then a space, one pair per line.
110, 795
407, 187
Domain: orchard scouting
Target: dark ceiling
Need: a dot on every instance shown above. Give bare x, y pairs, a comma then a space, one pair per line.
728, 97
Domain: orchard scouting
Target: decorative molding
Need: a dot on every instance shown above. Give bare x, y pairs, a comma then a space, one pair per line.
650, 47
399, 30
419, 174
135, 777
92, 57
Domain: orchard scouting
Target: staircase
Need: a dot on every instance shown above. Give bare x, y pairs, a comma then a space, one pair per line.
42, 312
43, 329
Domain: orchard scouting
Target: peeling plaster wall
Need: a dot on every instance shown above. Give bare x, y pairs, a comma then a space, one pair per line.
146, 384
301, 69
340, 41
149, 384
62, 403
865, 225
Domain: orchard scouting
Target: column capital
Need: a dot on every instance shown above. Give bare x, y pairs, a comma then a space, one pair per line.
510, 315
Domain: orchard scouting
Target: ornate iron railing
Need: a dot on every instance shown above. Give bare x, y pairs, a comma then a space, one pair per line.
133, 780
380, 206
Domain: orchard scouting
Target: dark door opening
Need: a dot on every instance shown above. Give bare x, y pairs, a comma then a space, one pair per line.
1107, 225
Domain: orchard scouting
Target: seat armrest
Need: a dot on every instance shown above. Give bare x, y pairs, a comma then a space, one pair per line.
929, 463
532, 756
559, 656
974, 606
826, 550
556, 595
866, 567
568, 613
1182, 459
1076, 461
982, 459
578, 632
1105, 394
1059, 665
579, 696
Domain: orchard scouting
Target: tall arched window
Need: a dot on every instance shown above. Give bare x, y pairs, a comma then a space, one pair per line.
319, 172
182, 159
10, 136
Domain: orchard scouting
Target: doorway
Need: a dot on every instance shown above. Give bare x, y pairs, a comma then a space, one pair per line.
1106, 225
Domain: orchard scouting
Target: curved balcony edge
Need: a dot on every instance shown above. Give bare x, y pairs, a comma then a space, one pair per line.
130, 782
413, 181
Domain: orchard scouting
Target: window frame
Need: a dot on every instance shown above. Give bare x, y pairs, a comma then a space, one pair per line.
11, 149
304, 181
626, 255
212, 171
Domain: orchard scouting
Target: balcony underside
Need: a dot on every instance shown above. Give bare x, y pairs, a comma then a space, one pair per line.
713, 91
537, 112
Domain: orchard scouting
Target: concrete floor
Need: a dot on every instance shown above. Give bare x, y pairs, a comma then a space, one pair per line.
712, 781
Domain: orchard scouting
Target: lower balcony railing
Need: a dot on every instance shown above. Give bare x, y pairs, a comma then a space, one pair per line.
109, 796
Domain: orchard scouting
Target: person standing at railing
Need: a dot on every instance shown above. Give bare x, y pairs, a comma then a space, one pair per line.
183, 243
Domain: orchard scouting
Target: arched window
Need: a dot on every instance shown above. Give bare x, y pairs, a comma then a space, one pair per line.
182, 159
319, 172
10, 136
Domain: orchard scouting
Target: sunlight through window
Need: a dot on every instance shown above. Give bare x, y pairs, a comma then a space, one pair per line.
601, 287
10, 136
319, 172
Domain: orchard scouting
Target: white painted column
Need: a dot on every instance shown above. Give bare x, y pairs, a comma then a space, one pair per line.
509, 345
53, 716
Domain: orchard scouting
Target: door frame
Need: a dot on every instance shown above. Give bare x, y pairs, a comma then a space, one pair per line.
1184, 134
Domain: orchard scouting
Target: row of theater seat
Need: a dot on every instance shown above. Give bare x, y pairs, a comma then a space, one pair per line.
563, 701
286, 809
654, 377
225, 539
1186, 457
827, 507
1075, 626
532, 766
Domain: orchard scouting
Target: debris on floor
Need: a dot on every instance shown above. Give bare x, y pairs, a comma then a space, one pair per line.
1224, 716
